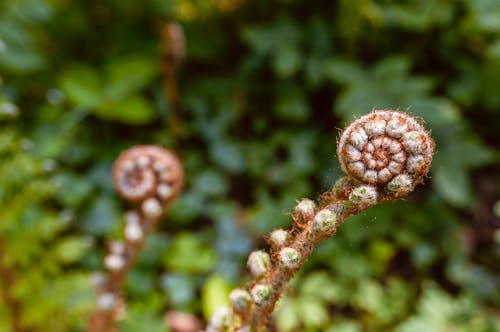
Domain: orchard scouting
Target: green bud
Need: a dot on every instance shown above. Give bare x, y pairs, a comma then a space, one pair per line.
289, 258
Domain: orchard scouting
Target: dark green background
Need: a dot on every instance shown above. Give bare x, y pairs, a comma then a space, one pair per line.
265, 86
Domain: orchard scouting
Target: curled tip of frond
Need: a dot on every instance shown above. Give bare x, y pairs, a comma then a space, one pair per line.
150, 175
387, 149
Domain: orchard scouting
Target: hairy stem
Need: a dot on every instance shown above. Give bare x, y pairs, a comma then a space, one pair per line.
304, 242
103, 319
385, 154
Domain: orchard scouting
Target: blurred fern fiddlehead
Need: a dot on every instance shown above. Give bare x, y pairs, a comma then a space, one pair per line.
151, 178
385, 154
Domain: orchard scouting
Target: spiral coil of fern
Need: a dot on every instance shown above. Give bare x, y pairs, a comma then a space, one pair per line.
386, 149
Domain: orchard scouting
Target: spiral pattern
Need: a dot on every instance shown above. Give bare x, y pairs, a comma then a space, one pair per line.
386, 149
149, 175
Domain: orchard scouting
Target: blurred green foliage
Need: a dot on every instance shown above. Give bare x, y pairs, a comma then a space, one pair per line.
264, 87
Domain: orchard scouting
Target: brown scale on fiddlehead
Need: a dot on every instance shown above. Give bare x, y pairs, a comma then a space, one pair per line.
149, 177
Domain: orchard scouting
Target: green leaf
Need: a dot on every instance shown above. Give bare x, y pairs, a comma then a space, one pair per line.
386, 85
291, 105
82, 86
451, 165
391, 67
435, 310
127, 75
189, 254
215, 294
140, 282
142, 320
18, 53
485, 14
228, 156
29, 11
438, 113
369, 296
72, 189
210, 183
452, 182
132, 110
71, 249
153, 250
318, 285
344, 326
180, 288
266, 214
286, 315
313, 313
430, 14
102, 216
187, 207
286, 61
268, 38
343, 71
